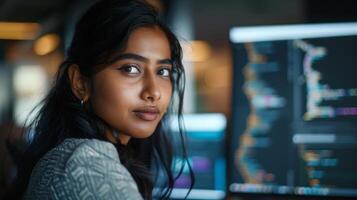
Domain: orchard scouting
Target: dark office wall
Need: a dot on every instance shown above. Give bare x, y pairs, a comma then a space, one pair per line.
330, 10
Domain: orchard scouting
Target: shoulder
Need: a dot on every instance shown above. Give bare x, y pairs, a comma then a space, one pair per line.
95, 159
88, 149
94, 167
88, 168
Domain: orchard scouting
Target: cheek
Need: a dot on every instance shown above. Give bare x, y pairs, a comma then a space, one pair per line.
105, 92
166, 94
111, 99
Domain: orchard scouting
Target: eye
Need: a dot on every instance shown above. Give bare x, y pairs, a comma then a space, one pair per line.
164, 72
130, 69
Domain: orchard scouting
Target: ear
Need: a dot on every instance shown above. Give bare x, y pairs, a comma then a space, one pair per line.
79, 83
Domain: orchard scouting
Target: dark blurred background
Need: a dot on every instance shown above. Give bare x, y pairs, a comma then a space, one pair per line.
35, 34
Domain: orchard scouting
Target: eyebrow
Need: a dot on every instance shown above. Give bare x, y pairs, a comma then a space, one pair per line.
137, 57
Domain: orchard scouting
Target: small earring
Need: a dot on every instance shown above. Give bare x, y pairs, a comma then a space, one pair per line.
82, 102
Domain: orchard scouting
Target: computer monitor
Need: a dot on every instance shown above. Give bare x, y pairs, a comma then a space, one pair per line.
206, 150
294, 114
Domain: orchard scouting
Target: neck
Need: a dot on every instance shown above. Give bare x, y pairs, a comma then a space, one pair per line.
115, 137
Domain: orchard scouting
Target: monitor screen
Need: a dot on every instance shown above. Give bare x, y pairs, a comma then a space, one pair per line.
294, 114
206, 151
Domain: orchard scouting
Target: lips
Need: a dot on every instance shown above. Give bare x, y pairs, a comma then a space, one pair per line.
149, 113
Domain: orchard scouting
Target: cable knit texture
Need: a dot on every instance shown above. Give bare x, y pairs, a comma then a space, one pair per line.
81, 169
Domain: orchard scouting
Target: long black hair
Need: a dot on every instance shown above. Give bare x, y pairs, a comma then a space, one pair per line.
101, 32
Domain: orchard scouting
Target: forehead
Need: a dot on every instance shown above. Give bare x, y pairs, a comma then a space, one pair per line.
148, 41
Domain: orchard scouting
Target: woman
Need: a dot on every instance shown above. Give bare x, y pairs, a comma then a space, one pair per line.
102, 130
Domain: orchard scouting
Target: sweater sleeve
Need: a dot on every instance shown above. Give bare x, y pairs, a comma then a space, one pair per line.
91, 173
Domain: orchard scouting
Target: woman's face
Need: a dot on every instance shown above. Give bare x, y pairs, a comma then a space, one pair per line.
132, 94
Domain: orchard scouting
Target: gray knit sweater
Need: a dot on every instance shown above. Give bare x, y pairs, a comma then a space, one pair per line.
81, 169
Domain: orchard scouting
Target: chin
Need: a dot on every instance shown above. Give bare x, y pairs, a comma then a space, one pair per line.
142, 134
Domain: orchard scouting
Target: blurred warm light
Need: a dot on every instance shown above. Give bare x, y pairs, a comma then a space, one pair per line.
18, 30
196, 51
46, 44
215, 78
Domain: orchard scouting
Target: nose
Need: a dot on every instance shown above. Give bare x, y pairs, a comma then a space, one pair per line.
151, 90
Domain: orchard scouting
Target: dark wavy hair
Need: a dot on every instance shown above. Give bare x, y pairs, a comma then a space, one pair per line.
102, 32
